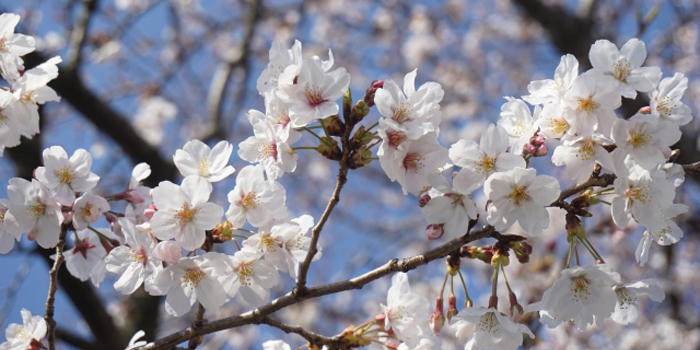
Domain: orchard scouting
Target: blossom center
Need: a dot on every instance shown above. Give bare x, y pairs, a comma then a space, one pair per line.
35, 210
245, 274
203, 166
486, 163
82, 247
185, 215
3, 119
520, 195
488, 323
639, 193
249, 201
666, 106
87, 211
625, 298
22, 334
282, 119
2, 215
270, 242
313, 96
65, 175
138, 256
638, 138
579, 288
395, 138
559, 126
586, 104
267, 151
412, 161
27, 97
402, 113
3, 46
587, 150
193, 276
620, 70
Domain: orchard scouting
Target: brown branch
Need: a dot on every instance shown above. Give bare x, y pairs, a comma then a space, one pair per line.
74, 340
693, 168
312, 338
194, 342
53, 286
222, 75
79, 34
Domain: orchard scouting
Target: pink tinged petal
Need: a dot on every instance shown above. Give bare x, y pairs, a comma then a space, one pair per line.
210, 293
179, 300
603, 55
635, 51
131, 279
167, 251
190, 238
208, 215
197, 189
544, 189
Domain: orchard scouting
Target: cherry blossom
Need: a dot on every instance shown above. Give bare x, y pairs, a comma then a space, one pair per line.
493, 329
86, 254
415, 159
30, 90
34, 211
593, 104
666, 100
280, 59
191, 280
623, 68
551, 91
12, 46
64, 176
254, 199
133, 261
88, 209
196, 158
519, 195
665, 233
411, 112
269, 149
28, 335
487, 157
640, 194
518, 122
7, 240
582, 294
406, 313
555, 121
184, 212
580, 155
276, 345
453, 207
643, 137
252, 277
626, 309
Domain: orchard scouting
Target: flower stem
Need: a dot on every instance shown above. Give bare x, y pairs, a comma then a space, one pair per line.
571, 249
303, 147
372, 126
466, 293
602, 201
312, 133
53, 285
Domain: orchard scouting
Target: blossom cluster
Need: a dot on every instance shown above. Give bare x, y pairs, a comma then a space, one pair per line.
167, 238
19, 102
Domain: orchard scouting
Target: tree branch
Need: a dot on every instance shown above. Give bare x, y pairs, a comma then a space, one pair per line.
312, 338
79, 33
74, 340
53, 286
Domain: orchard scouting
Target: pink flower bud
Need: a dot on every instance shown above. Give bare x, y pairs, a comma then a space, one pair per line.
435, 231
541, 151
437, 319
134, 197
537, 140
451, 307
167, 251
529, 149
67, 217
424, 200
148, 213
645, 110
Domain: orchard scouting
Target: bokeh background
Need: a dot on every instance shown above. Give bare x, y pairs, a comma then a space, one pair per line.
141, 77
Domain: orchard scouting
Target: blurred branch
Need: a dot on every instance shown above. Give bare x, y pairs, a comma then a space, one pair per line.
71, 88
79, 34
74, 340
222, 75
312, 338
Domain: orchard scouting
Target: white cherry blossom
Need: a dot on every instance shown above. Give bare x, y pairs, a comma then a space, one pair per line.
487, 157
254, 199
551, 91
33, 210
64, 176
184, 212
191, 280
518, 122
88, 209
7, 240
454, 207
86, 254
391, 140
641, 195
666, 100
248, 275
276, 345
555, 121
623, 68
582, 293
406, 313
666, 233
415, 159
196, 158
593, 105
519, 195
626, 309
280, 59
580, 155
133, 261
269, 149
28, 335
493, 329
12, 46
411, 112
643, 137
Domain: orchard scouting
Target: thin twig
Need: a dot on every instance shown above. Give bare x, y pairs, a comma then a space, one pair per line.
79, 33
53, 285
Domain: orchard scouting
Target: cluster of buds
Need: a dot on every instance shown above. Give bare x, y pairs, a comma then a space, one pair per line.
484, 253
535, 147
437, 318
522, 251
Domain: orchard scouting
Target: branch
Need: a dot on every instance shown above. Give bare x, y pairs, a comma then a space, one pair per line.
312, 338
53, 286
79, 33
222, 75
74, 340
335, 198
693, 168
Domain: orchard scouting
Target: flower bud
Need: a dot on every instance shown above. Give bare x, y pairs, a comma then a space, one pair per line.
522, 251
331, 152
529, 149
645, 110
541, 151
360, 110
148, 213
537, 140
371, 91
359, 158
422, 201
223, 232
361, 138
434, 231
451, 307
334, 126
437, 318
347, 103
